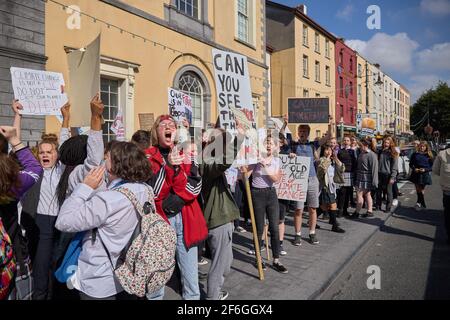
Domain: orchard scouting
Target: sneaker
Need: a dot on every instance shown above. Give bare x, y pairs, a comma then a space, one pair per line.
280, 268
418, 207
395, 203
313, 239
253, 252
297, 241
240, 230
223, 295
337, 229
202, 262
282, 251
354, 216
264, 266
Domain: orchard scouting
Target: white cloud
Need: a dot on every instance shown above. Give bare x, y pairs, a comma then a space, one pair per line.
436, 7
346, 12
394, 53
421, 83
436, 59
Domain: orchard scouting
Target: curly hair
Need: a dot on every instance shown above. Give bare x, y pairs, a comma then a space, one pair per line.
129, 162
394, 153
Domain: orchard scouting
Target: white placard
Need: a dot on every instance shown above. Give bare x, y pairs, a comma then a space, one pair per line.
39, 92
180, 105
293, 184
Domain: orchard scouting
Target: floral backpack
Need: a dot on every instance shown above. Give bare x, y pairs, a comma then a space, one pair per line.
7, 263
146, 264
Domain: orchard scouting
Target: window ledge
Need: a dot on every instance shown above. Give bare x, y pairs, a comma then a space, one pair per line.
306, 46
318, 81
251, 46
306, 77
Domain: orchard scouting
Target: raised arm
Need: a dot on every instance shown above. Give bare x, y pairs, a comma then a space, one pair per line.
16, 107
64, 134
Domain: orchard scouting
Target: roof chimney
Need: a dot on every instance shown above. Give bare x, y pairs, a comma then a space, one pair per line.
303, 9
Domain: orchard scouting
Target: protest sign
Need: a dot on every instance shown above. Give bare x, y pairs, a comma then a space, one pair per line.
232, 87
366, 123
84, 81
180, 105
293, 184
234, 93
309, 110
39, 92
118, 127
146, 121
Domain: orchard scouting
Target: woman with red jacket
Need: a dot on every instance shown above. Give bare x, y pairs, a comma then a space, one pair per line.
176, 185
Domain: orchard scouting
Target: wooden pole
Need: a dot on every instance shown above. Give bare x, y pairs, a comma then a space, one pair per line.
255, 235
266, 238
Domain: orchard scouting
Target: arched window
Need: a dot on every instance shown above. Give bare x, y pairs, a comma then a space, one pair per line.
191, 84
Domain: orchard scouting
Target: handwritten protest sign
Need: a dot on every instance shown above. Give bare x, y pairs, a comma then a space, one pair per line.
180, 105
293, 185
84, 81
232, 87
39, 92
146, 121
234, 91
309, 110
118, 127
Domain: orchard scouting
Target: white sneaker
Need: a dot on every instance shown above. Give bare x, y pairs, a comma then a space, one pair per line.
418, 207
395, 202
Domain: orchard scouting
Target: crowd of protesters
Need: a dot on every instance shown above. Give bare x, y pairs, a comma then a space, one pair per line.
70, 189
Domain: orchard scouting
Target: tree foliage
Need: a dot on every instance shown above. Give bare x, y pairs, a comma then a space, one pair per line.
433, 105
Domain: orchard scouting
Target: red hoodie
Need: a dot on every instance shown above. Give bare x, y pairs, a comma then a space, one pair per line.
187, 184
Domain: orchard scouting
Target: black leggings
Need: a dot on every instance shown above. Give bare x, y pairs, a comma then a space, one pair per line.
265, 203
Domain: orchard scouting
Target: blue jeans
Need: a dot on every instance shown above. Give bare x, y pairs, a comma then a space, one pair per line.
187, 262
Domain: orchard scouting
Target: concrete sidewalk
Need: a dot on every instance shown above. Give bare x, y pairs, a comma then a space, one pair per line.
312, 268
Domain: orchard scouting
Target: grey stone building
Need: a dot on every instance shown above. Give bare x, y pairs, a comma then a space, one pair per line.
22, 44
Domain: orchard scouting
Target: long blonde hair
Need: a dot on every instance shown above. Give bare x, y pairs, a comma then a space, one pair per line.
428, 151
394, 152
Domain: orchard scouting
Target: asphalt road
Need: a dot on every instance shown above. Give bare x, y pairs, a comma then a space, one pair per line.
410, 251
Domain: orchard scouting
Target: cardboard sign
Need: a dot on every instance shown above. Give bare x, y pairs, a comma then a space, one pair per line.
293, 185
366, 123
234, 93
84, 81
180, 105
232, 87
309, 110
146, 121
39, 92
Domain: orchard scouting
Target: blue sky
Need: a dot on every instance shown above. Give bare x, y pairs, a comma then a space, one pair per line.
412, 46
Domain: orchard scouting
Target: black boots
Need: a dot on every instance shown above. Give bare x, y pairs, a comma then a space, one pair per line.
334, 223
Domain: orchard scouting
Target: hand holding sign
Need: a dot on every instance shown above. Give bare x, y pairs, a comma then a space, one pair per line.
16, 106
97, 106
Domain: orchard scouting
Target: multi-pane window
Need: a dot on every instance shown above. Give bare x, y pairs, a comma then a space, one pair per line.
341, 86
243, 20
341, 58
189, 7
351, 64
351, 88
190, 84
305, 67
327, 48
305, 93
305, 35
327, 76
109, 91
317, 69
317, 43
359, 70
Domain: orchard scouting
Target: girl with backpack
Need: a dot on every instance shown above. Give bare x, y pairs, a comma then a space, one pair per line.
421, 166
177, 184
330, 171
109, 217
388, 170
16, 177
